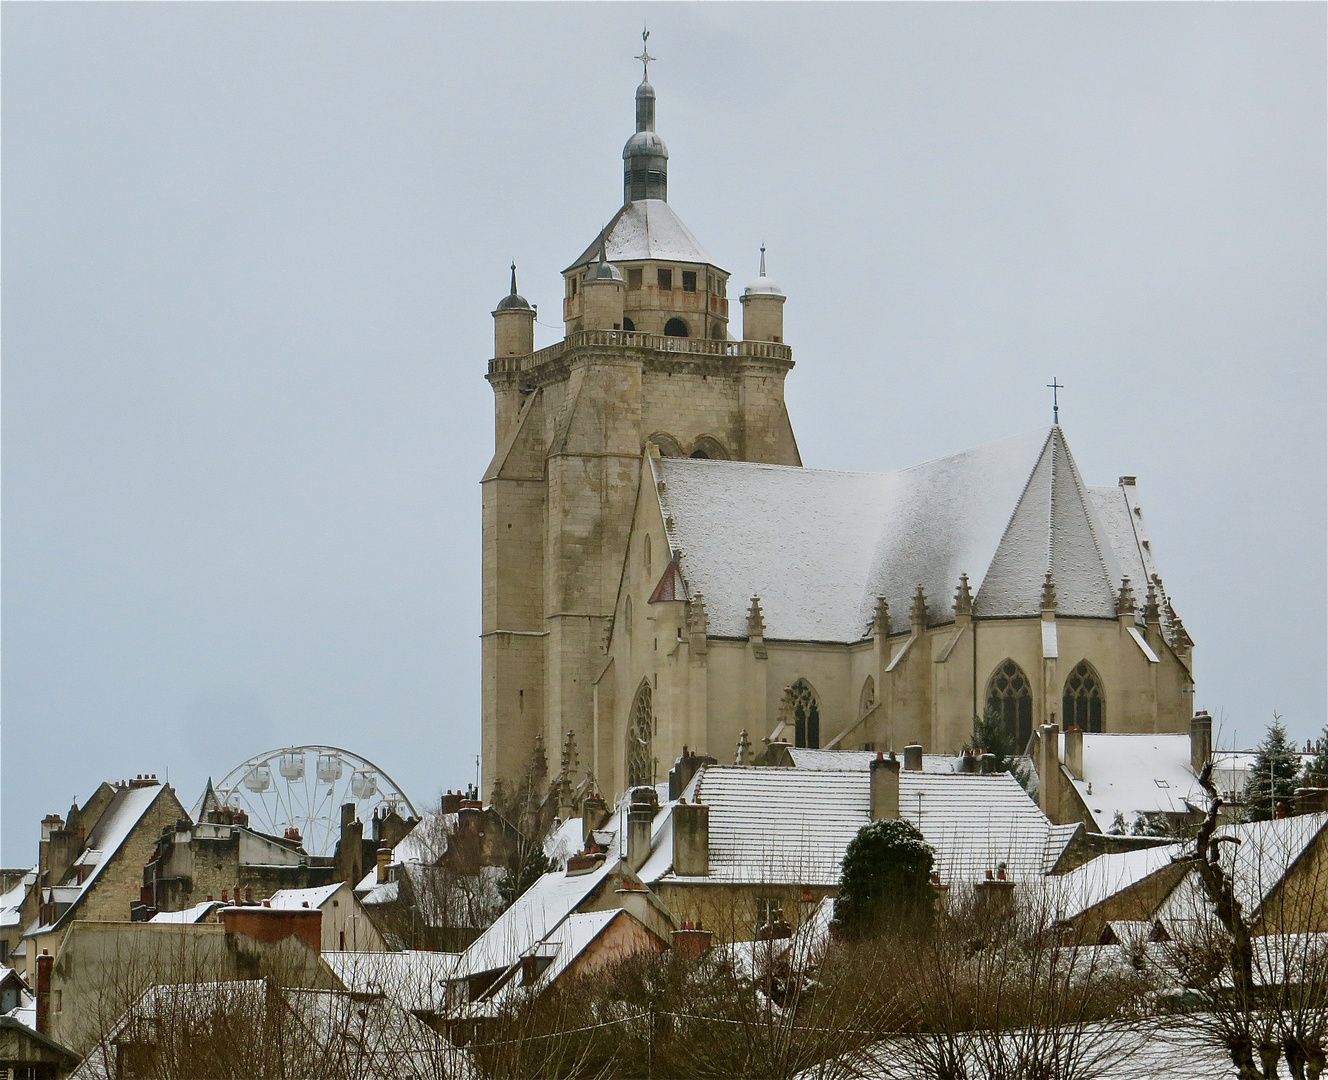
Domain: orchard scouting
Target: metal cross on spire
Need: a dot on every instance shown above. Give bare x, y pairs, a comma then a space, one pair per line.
1055, 386
645, 56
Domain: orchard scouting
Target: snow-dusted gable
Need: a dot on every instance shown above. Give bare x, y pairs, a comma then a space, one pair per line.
819, 546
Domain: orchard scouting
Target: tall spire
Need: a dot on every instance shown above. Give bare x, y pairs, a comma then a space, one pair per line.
645, 158
513, 292
763, 258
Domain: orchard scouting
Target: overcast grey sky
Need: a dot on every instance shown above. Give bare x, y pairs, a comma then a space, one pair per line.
250, 252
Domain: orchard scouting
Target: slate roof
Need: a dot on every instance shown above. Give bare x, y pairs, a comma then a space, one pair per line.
1136, 774
646, 229
773, 825
818, 546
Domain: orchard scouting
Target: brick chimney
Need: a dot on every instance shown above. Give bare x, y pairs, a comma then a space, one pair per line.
1074, 751
383, 861
468, 840
692, 942
684, 769
640, 813
275, 924
44, 964
594, 816
986, 763
913, 757
1201, 741
885, 787
691, 840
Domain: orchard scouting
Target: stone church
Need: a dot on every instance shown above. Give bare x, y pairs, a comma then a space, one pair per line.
661, 572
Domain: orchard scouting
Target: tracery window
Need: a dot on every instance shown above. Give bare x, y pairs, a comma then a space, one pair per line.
867, 699
806, 712
1011, 696
641, 738
1083, 703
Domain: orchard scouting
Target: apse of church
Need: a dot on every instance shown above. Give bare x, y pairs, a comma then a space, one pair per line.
660, 572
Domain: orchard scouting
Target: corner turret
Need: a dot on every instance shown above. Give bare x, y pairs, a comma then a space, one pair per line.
513, 324
763, 308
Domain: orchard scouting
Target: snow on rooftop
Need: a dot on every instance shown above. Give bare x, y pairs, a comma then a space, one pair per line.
122, 814
860, 760
646, 229
977, 822
779, 825
416, 980
1089, 884
1136, 774
293, 899
530, 918
819, 546
196, 914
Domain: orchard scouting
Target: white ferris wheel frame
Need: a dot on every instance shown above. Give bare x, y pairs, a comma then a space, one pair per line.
309, 802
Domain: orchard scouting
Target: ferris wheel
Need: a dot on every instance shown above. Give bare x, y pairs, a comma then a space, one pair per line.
304, 788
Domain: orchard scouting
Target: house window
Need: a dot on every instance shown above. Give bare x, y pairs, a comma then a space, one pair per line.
1011, 698
665, 278
628, 324
769, 910
675, 328
1082, 703
689, 281
634, 278
801, 706
641, 738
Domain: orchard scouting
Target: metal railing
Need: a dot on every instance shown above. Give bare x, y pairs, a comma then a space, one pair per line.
627, 339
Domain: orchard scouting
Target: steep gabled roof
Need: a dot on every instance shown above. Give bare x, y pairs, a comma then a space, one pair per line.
819, 546
646, 229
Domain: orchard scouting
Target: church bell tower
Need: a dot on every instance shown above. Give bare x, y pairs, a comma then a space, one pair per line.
647, 364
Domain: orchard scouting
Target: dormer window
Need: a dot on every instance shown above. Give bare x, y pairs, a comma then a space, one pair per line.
689, 281
665, 280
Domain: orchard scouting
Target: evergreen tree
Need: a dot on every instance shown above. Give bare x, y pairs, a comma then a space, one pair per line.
990, 736
1274, 776
885, 883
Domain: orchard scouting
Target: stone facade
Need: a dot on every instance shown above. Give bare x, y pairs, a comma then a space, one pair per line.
646, 362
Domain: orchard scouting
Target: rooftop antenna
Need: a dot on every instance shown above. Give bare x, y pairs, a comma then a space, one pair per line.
645, 56
1055, 386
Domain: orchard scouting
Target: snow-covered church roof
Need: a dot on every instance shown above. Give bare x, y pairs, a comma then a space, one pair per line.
646, 229
819, 546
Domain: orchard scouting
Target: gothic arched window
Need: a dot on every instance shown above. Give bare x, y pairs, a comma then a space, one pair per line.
1083, 704
675, 328
806, 713
1009, 694
641, 738
867, 699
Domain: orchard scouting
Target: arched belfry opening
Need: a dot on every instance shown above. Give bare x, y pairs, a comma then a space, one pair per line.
675, 328
641, 737
1010, 698
803, 708
1083, 704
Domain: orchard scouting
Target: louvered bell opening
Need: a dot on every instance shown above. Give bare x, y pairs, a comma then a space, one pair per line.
645, 184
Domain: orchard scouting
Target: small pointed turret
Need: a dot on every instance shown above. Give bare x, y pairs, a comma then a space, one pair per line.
755, 620
763, 308
881, 620
1048, 593
963, 601
513, 324
1125, 598
919, 612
